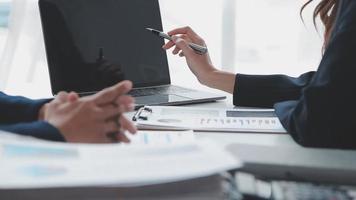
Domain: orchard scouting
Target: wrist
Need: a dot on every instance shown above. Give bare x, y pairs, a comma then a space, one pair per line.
220, 80
41, 112
207, 77
62, 129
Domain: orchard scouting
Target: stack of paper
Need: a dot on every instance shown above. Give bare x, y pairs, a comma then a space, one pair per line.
154, 158
208, 119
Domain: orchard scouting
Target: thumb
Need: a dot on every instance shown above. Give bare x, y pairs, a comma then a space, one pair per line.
183, 45
61, 97
72, 97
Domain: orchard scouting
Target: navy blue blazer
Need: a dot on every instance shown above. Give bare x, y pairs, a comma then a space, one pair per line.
20, 115
318, 108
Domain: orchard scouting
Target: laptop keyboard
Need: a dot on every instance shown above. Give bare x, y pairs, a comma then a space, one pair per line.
169, 89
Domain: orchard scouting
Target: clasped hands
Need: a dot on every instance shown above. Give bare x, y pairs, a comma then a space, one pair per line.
93, 119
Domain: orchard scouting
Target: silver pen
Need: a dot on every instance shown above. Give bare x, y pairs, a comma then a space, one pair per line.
201, 50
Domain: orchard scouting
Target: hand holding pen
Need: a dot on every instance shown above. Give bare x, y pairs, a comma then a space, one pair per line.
200, 65
199, 49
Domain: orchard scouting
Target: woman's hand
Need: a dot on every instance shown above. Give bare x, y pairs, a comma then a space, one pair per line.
200, 65
92, 119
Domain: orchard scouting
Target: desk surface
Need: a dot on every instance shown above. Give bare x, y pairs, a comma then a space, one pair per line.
278, 156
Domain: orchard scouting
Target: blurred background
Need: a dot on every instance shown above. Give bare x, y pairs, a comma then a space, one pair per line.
243, 36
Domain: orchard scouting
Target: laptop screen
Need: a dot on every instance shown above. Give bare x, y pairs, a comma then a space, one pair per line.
93, 44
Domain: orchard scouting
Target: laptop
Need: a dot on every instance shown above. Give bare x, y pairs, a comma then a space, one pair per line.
94, 44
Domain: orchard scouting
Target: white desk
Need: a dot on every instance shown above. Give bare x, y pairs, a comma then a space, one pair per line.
279, 156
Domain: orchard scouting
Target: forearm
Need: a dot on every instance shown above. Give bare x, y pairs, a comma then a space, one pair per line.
220, 80
16, 109
39, 129
266, 90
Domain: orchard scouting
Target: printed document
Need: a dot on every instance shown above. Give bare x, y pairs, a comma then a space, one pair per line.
208, 119
153, 158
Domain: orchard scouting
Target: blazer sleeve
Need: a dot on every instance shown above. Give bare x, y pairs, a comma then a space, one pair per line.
38, 129
266, 90
20, 115
322, 112
16, 109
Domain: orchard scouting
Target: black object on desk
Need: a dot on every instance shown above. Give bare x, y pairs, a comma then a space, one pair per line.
252, 188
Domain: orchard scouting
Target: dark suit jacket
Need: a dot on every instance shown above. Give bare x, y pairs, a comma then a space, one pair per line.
319, 108
19, 115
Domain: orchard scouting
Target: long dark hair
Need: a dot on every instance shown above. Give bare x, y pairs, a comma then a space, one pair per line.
327, 11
